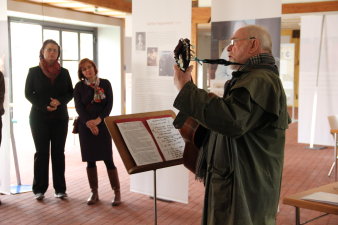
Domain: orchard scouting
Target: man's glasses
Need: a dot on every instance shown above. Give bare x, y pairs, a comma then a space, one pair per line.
233, 41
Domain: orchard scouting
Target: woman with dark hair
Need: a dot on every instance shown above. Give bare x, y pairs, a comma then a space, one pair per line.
93, 98
49, 88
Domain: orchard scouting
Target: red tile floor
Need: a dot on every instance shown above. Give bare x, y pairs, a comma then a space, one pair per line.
303, 169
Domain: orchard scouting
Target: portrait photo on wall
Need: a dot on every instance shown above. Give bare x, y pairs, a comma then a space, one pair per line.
140, 41
152, 56
221, 33
166, 63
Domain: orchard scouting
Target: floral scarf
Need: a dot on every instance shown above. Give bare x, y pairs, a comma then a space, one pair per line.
50, 71
98, 91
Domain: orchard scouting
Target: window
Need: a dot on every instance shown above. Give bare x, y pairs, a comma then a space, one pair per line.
26, 38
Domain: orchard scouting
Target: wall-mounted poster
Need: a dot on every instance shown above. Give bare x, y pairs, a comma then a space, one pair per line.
166, 63
152, 80
152, 56
287, 61
140, 41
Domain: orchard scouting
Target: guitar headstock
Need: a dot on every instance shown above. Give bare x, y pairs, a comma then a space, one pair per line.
182, 53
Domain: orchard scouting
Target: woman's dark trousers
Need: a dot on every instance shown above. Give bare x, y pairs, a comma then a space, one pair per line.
49, 138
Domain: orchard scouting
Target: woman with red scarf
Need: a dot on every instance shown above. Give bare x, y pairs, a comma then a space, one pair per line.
49, 88
93, 97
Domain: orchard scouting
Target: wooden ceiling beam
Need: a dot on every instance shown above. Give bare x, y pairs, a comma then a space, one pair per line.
126, 6
120, 5
327, 6
199, 15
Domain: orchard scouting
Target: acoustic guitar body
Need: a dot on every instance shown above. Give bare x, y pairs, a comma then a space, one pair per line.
190, 156
193, 134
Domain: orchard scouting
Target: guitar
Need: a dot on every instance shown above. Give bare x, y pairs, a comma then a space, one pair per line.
193, 135
183, 54
191, 131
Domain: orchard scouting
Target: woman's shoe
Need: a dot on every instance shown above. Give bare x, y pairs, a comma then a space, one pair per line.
93, 183
39, 196
60, 195
115, 184
93, 198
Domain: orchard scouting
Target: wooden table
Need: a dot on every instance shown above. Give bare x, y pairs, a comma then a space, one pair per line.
296, 201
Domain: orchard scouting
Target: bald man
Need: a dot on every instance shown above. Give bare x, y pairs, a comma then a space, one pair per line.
241, 160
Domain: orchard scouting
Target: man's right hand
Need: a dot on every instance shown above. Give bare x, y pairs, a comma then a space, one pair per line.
181, 78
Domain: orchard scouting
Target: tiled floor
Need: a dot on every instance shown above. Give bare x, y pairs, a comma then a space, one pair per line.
303, 169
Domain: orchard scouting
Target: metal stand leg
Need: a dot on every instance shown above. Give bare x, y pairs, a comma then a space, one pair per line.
331, 169
297, 216
15, 156
19, 188
335, 159
155, 198
335, 156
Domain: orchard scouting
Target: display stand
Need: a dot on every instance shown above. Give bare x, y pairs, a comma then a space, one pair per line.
315, 98
126, 156
335, 155
155, 199
122, 148
19, 188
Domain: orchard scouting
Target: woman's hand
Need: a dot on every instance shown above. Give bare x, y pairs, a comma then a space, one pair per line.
53, 105
94, 130
51, 108
95, 122
92, 125
54, 102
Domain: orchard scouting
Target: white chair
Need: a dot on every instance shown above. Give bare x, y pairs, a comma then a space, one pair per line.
333, 122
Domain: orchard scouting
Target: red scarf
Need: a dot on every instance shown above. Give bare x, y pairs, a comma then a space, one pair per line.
51, 71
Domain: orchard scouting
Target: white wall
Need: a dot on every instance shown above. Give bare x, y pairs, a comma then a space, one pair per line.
230, 10
4, 61
109, 61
